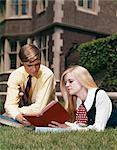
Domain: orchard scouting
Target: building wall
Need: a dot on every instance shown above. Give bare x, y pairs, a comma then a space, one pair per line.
104, 21
71, 37
18, 27
43, 19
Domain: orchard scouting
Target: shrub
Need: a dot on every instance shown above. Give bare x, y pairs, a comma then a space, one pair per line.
101, 56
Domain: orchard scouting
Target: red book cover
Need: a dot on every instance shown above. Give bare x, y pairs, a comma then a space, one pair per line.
54, 111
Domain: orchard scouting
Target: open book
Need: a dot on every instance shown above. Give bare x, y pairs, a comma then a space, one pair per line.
54, 111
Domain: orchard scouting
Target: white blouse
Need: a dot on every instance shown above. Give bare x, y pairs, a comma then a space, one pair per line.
103, 110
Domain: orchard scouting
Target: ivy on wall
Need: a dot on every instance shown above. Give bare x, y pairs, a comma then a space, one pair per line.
101, 56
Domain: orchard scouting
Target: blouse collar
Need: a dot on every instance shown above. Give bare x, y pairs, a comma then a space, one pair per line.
89, 99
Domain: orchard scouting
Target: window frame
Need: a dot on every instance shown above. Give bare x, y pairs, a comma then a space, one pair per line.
41, 6
43, 47
11, 53
11, 9
94, 10
1, 55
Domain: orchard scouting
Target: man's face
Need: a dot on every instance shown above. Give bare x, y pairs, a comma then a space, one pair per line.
32, 68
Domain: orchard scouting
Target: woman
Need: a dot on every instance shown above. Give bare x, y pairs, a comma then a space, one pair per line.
77, 87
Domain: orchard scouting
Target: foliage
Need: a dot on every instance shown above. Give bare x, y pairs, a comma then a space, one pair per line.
98, 55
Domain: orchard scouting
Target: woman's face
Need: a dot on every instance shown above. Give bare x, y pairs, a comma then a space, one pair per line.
73, 86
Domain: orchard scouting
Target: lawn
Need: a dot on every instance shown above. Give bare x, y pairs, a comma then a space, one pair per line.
22, 139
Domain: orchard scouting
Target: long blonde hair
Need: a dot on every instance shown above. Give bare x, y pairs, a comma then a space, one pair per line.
84, 77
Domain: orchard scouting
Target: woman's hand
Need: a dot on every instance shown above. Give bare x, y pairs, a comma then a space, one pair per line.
22, 120
55, 124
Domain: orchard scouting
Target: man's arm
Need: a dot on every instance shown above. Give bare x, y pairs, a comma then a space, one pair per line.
12, 99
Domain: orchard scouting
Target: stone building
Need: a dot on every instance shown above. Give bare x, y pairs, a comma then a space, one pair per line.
55, 26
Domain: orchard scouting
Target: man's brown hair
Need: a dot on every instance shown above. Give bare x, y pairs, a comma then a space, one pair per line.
29, 53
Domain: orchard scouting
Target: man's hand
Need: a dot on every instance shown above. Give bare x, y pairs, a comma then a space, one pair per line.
22, 120
55, 124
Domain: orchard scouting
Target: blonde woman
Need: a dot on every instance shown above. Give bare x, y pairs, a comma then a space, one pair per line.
77, 87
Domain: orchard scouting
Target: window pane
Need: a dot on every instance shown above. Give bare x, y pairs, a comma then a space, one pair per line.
41, 5
12, 61
23, 42
44, 4
13, 46
39, 43
1, 46
90, 4
24, 7
80, 2
44, 41
15, 7
1, 50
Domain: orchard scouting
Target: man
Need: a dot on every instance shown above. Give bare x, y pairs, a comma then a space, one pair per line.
42, 89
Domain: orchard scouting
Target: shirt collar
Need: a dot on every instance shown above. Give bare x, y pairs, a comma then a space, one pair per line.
90, 98
38, 75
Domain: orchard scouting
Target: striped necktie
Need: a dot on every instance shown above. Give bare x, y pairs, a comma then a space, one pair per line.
81, 115
25, 98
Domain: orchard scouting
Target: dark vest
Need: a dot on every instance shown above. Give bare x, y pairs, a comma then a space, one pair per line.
112, 122
92, 112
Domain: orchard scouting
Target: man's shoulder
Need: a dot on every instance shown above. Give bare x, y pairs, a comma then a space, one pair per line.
17, 75
17, 72
46, 70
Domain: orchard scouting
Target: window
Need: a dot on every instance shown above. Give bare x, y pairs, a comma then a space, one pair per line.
9, 50
80, 3
12, 61
89, 6
20, 7
13, 54
2, 10
1, 54
43, 46
14, 51
41, 5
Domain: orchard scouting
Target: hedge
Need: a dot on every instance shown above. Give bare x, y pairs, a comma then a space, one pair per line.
100, 57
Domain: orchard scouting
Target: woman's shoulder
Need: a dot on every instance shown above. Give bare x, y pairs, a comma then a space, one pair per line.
101, 91
102, 96
98, 93
97, 90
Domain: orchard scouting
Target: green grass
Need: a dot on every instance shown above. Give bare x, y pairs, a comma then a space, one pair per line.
21, 139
